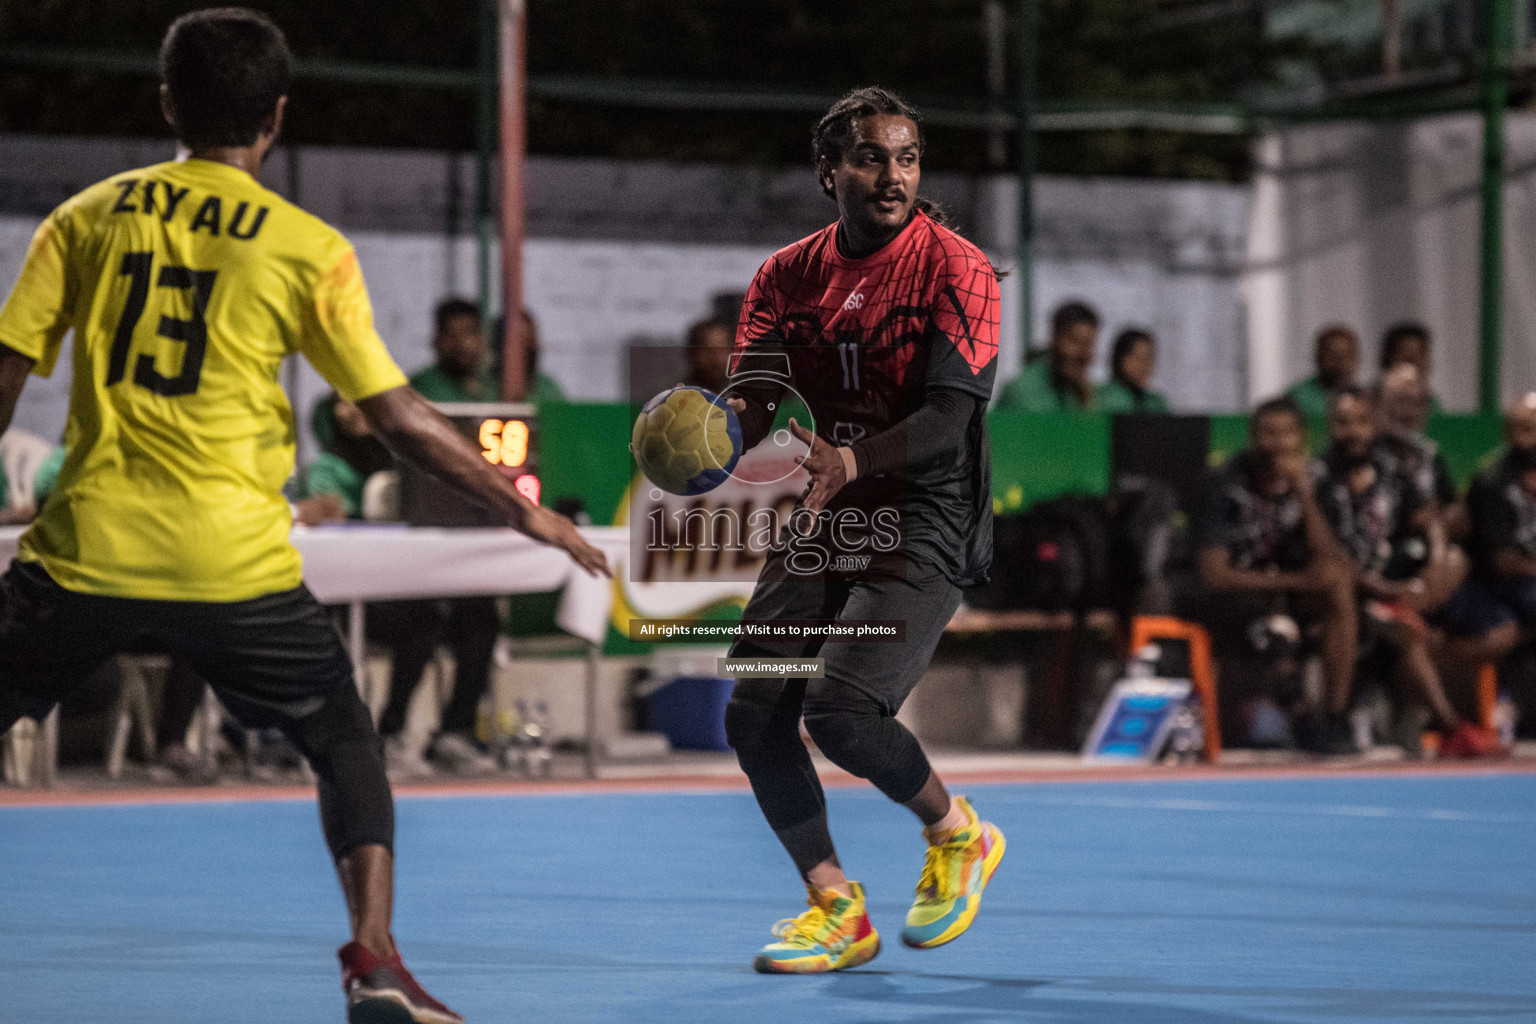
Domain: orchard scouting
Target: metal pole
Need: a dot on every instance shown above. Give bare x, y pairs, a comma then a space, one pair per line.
1026, 28
1497, 29
485, 147
994, 23
514, 91
589, 758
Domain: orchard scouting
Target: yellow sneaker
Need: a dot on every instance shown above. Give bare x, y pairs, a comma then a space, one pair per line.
833, 935
954, 874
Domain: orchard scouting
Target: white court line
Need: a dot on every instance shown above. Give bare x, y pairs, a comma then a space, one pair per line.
1238, 807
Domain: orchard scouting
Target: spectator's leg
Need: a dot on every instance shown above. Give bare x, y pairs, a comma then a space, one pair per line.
473, 626
1442, 577
183, 696
1333, 596
1481, 626
1415, 669
411, 629
1493, 645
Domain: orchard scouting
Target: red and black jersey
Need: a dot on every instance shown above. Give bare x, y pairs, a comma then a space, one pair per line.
863, 340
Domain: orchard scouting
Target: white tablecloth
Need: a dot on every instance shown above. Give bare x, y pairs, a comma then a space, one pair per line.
352, 563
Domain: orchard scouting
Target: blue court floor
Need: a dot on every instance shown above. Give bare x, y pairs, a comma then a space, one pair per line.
1382, 899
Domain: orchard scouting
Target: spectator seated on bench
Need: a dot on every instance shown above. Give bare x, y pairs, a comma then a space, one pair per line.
1495, 609
1267, 562
1379, 499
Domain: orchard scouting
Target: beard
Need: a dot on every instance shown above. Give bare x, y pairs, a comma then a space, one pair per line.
1524, 458
1347, 460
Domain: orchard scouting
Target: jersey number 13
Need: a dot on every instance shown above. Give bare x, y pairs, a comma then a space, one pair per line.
193, 333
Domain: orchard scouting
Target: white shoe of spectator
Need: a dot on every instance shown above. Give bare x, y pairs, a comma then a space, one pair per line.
403, 760
456, 753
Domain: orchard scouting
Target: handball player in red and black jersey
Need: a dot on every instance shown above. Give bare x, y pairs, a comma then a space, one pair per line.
885, 324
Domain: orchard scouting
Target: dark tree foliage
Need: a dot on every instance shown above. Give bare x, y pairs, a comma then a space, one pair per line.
1089, 50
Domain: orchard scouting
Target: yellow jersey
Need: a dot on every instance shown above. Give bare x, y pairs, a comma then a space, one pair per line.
186, 284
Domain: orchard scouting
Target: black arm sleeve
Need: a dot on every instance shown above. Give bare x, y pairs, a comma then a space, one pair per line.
756, 419
937, 426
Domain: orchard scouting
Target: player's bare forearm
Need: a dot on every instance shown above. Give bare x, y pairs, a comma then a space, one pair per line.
1217, 573
423, 436
1512, 563
14, 368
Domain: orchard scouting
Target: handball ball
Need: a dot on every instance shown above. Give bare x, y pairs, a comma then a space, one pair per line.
686, 440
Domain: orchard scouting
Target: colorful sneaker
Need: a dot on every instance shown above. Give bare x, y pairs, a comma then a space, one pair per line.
833, 935
381, 991
954, 874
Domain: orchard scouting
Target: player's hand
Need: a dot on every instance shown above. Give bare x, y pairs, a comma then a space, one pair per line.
828, 472
1294, 467
555, 529
738, 405
320, 508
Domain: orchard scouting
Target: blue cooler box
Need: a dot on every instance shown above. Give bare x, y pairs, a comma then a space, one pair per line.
690, 712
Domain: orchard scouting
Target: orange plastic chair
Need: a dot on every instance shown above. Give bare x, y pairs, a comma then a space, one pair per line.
1487, 694
1148, 629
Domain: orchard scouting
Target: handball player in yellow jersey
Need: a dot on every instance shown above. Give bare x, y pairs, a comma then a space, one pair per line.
186, 285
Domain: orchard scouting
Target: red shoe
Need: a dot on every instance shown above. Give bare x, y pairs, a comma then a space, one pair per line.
381, 991
1469, 741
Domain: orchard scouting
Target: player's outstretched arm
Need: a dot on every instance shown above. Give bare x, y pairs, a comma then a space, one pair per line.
14, 368
422, 435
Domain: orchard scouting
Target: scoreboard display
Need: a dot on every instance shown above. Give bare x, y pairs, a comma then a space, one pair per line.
507, 434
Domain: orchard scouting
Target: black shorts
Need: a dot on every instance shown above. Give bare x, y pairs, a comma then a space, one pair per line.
272, 659
886, 673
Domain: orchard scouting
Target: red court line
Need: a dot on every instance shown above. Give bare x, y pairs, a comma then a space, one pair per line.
728, 783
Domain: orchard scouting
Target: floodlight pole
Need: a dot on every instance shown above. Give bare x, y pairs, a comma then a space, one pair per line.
485, 149
514, 151
1026, 27
1497, 31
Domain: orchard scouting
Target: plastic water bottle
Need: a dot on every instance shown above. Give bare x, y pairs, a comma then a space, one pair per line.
1186, 739
1505, 717
541, 755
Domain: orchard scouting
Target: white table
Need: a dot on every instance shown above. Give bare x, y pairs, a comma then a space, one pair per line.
356, 563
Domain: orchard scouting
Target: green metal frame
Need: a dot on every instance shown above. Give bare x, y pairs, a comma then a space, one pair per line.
1498, 32
1490, 95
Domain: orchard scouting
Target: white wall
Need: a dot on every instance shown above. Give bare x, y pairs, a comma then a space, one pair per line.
1371, 224
595, 298
631, 253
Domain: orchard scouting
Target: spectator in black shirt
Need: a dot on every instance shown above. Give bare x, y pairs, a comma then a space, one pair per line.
1496, 609
1404, 402
1380, 513
1265, 548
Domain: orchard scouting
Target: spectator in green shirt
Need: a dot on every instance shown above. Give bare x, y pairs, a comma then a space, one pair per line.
36, 463
1132, 363
1409, 342
460, 373
1058, 381
538, 388
1337, 357
350, 454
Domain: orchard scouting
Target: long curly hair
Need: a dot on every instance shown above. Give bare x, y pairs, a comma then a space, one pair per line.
834, 134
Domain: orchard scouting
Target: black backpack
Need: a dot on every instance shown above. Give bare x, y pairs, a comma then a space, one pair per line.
1052, 557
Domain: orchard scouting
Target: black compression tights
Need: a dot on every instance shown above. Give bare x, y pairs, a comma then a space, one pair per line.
762, 722
356, 808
